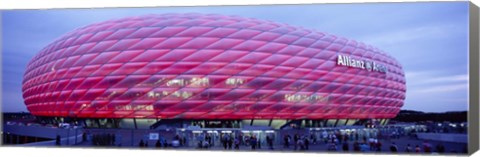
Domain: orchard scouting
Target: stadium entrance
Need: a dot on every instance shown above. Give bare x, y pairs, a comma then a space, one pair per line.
209, 137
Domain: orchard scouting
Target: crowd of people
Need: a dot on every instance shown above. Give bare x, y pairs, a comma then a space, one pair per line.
204, 141
103, 139
333, 140
357, 143
300, 142
232, 141
163, 142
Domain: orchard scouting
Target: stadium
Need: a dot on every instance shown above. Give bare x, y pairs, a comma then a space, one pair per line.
212, 71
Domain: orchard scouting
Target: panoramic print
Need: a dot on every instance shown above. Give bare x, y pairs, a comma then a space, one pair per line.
347, 78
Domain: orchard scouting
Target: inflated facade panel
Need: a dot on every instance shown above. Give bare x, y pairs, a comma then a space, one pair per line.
196, 66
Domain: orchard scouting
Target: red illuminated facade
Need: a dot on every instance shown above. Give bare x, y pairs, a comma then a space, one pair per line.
195, 66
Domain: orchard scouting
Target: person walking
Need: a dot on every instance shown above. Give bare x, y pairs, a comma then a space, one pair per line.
289, 139
58, 140
237, 143
345, 146
313, 139
417, 149
371, 142
240, 138
224, 141
184, 139
393, 148
295, 141
356, 136
427, 148
158, 144
253, 142
306, 142
408, 149
440, 148
300, 144
378, 145
270, 142
230, 141
340, 138
84, 136
259, 143
325, 136
113, 139
199, 139
332, 147
364, 147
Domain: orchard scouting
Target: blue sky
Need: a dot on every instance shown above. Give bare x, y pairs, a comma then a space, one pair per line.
430, 40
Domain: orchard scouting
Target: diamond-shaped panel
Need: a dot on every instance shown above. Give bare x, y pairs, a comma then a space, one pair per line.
199, 66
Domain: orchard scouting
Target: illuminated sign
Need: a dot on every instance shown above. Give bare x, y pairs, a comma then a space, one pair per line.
153, 136
360, 64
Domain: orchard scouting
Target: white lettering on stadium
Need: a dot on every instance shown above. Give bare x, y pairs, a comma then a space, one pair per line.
361, 64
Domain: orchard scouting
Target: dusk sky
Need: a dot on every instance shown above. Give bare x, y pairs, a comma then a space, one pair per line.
430, 40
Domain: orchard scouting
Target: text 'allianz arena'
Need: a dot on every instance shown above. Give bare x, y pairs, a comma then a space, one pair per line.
196, 66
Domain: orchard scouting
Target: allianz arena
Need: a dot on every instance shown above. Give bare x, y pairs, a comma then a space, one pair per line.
205, 66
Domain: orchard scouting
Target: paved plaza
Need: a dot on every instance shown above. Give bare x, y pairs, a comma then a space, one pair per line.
123, 139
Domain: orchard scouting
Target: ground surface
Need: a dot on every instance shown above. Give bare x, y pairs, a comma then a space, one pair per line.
124, 140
